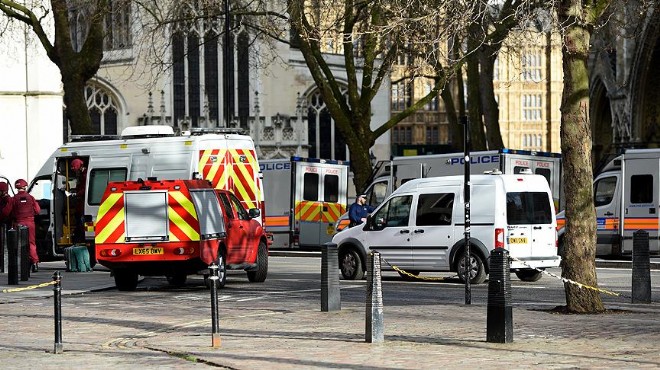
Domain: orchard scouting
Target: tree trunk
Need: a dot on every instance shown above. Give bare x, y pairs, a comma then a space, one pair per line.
490, 109
477, 133
76, 111
580, 238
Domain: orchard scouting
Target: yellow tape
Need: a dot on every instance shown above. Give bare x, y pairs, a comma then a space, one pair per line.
42, 285
411, 275
569, 281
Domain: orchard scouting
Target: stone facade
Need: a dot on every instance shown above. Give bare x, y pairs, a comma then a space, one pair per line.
624, 95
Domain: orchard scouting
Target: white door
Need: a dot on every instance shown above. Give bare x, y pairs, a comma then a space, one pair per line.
606, 200
641, 201
390, 232
432, 231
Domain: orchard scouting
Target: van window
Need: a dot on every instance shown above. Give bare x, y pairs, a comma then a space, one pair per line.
311, 186
528, 208
331, 188
377, 194
395, 213
225, 202
434, 209
604, 191
545, 172
242, 213
99, 179
641, 189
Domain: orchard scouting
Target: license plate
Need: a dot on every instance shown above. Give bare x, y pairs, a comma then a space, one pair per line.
517, 240
147, 251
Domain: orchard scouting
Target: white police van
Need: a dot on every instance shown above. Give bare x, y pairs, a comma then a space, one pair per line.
420, 227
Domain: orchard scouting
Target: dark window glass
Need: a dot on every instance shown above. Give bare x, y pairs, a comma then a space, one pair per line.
395, 213
243, 57
193, 79
604, 191
98, 180
211, 73
311, 186
528, 208
545, 172
178, 76
641, 189
331, 188
434, 209
226, 204
242, 213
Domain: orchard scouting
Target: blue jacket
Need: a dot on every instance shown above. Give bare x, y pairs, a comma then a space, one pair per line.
357, 212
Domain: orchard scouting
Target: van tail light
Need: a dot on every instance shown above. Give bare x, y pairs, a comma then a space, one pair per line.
296, 237
182, 251
499, 238
110, 253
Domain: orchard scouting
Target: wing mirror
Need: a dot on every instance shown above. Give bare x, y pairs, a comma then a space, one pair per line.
254, 212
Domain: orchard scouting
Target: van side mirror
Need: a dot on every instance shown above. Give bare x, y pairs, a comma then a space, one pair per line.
254, 212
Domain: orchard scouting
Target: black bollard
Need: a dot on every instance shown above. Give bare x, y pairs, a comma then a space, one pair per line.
500, 314
641, 268
24, 248
3, 248
12, 256
57, 302
215, 324
374, 332
330, 293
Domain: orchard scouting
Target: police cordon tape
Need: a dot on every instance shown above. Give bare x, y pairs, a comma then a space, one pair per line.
409, 274
565, 280
42, 285
569, 281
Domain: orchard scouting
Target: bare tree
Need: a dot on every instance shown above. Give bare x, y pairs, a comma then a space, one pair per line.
77, 59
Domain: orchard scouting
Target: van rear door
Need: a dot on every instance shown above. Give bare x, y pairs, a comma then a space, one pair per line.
640, 211
530, 231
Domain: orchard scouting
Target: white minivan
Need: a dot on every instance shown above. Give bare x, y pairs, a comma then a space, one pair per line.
420, 227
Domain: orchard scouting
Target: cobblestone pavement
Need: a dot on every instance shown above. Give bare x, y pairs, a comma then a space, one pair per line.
283, 333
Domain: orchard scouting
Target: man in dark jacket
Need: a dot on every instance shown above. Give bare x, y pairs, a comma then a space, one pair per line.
4, 201
22, 208
358, 211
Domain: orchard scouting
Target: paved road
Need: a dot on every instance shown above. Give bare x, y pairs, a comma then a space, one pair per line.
278, 325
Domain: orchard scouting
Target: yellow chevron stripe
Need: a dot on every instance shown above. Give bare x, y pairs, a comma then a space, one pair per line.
107, 204
240, 188
192, 234
202, 161
111, 227
184, 202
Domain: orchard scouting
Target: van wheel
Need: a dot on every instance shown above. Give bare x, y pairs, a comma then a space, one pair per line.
350, 265
259, 275
476, 270
177, 279
91, 249
126, 280
529, 275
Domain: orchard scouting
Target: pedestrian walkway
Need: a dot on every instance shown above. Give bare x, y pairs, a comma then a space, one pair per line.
72, 282
282, 333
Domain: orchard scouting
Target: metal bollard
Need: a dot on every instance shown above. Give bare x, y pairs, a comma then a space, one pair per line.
330, 291
57, 302
374, 332
641, 268
24, 248
215, 324
12, 256
499, 314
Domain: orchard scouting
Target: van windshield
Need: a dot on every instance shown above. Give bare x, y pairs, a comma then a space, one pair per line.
527, 208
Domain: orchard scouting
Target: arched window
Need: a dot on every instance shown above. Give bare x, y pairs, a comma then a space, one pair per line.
325, 141
103, 110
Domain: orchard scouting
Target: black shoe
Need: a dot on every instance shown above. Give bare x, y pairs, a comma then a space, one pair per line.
35, 267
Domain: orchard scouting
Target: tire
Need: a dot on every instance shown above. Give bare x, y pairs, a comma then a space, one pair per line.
91, 249
126, 280
177, 279
477, 271
529, 275
350, 265
259, 275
